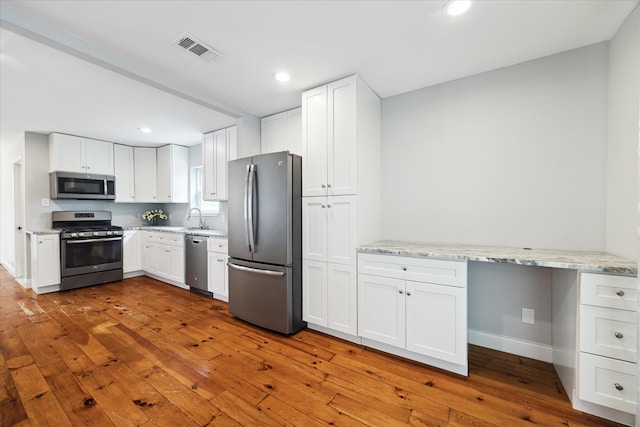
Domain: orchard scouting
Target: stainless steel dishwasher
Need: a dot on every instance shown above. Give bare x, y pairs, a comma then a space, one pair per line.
195, 269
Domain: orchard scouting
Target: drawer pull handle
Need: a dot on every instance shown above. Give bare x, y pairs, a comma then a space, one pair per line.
619, 386
618, 335
620, 293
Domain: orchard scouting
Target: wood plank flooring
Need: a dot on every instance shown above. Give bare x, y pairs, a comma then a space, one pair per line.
141, 352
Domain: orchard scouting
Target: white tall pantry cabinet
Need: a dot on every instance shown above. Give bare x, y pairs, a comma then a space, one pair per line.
217, 149
341, 197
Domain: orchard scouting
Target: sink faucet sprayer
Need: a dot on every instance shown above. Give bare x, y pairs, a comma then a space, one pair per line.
200, 223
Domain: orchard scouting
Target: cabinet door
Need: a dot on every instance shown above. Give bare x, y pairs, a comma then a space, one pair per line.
131, 253
314, 292
98, 156
145, 174
342, 298
314, 142
208, 168
437, 321
343, 137
218, 278
47, 261
164, 173
294, 131
314, 228
66, 153
381, 309
274, 133
341, 229
179, 174
220, 154
123, 171
176, 263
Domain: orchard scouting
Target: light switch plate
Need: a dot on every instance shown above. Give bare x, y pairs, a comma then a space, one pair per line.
528, 315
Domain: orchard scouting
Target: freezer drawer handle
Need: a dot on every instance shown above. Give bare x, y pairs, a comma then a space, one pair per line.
256, 270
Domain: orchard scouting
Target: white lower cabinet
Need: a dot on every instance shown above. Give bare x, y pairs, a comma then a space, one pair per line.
131, 251
164, 256
329, 293
45, 262
426, 318
217, 251
608, 344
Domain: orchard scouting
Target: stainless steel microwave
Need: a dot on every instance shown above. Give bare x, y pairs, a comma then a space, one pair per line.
70, 185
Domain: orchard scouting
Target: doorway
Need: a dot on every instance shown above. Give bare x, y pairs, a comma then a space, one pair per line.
18, 219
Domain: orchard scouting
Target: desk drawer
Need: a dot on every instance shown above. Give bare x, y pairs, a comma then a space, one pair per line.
217, 244
609, 332
608, 382
609, 291
453, 273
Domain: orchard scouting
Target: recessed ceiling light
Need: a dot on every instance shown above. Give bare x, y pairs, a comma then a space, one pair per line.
144, 129
456, 7
282, 76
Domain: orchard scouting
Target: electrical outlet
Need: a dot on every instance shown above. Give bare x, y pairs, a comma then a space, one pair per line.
528, 315
45, 203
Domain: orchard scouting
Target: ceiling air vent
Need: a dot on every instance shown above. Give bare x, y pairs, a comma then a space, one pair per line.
196, 47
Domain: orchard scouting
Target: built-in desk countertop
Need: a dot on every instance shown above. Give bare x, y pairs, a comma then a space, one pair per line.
586, 261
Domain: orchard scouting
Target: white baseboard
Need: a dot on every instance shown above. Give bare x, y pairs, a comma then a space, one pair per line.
523, 348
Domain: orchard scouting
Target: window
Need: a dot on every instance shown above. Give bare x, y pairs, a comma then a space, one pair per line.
207, 207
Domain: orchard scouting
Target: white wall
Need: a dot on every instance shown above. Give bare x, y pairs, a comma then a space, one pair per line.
512, 157
622, 152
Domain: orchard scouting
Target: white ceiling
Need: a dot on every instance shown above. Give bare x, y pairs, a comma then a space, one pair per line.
102, 69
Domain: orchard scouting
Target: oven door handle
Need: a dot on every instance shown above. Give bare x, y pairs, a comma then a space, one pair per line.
110, 239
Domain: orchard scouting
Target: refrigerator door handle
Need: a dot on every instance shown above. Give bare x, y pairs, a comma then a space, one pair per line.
252, 180
246, 207
255, 270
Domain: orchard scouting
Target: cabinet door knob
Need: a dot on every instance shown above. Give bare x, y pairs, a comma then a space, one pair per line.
618, 335
328, 185
328, 206
404, 268
618, 386
323, 186
323, 206
620, 293
400, 291
408, 293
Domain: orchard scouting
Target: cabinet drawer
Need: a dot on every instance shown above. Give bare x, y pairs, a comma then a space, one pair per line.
174, 239
609, 291
609, 332
216, 244
453, 273
608, 382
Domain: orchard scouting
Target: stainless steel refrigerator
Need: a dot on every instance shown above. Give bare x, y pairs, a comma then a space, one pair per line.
265, 241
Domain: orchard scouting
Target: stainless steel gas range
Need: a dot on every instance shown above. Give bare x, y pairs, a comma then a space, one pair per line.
90, 248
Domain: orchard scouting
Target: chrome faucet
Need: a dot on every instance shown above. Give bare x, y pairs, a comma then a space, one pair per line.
200, 223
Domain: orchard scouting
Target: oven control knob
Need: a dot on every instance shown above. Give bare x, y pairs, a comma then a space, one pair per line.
74, 234
80, 234
109, 233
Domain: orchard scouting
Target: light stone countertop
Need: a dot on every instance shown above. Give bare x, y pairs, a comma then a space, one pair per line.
179, 230
43, 231
586, 261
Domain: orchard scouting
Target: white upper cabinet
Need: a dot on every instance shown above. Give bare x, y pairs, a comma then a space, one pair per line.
217, 149
282, 132
145, 174
124, 173
173, 174
74, 154
331, 121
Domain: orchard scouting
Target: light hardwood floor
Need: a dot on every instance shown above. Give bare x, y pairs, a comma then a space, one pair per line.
141, 352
